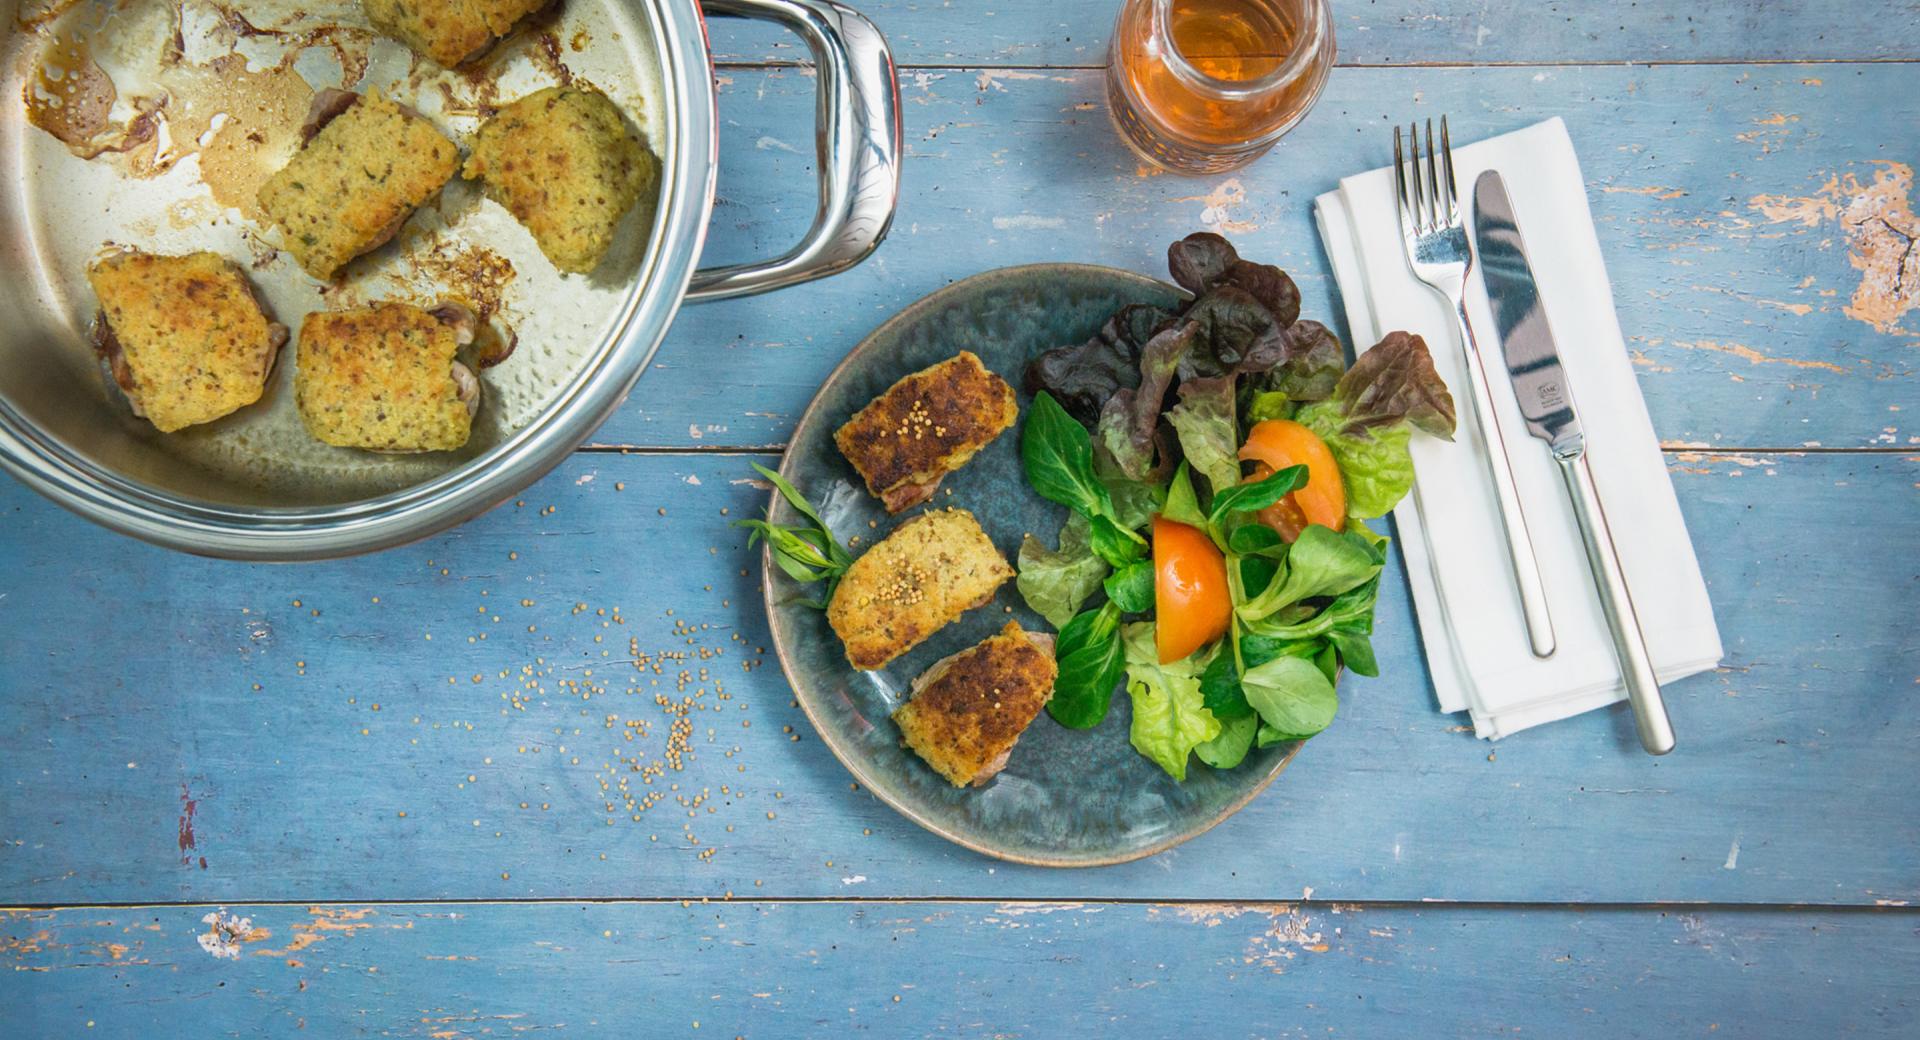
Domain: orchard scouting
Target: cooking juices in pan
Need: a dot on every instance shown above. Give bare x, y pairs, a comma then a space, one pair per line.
155, 128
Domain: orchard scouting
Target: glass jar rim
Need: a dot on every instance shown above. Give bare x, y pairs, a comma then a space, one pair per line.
1229, 90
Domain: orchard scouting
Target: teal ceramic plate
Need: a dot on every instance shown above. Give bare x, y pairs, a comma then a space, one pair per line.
1067, 798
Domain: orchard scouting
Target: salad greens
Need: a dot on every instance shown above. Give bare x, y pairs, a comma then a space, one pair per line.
1131, 589
1371, 415
1055, 582
1148, 420
1170, 717
1091, 662
1058, 456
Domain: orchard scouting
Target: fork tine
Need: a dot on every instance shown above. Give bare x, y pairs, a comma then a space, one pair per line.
1453, 191
1440, 217
1402, 186
1421, 223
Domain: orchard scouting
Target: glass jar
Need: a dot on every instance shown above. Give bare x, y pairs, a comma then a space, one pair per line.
1204, 86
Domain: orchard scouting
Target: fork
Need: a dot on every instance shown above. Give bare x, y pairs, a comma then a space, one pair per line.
1438, 254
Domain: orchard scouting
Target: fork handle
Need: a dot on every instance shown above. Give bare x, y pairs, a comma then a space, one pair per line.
1526, 565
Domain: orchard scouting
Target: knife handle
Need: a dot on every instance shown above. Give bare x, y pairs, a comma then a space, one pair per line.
1526, 565
1629, 643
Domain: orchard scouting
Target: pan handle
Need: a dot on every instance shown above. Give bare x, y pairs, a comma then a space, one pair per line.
857, 139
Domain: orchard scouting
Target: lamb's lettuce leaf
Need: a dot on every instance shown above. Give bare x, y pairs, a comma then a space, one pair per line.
1091, 662
1131, 587
1230, 748
1322, 562
1057, 455
1292, 696
1221, 684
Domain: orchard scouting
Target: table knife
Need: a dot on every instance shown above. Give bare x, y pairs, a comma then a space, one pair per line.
1547, 402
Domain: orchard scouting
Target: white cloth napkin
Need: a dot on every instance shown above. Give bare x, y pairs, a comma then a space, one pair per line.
1463, 588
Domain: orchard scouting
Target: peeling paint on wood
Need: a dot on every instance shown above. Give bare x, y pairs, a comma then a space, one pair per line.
834, 969
1881, 231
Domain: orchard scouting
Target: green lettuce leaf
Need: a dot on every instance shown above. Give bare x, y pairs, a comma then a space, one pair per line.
1322, 562
1390, 391
1183, 505
1170, 716
1055, 582
1292, 696
1203, 421
1091, 662
1131, 587
1269, 404
1230, 748
1376, 466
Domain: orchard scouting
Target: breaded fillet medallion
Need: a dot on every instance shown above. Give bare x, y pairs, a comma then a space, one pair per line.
450, 32
926, 426
368, 165
384, 378
968, 710
183, 336
929, 571
563, 162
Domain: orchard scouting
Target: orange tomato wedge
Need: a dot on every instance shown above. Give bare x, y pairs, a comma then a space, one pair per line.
1191, 603
1279, 443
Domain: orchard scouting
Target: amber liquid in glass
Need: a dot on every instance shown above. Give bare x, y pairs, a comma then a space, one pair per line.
1207, 85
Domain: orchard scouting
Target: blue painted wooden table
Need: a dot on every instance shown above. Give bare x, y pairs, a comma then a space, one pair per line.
394, 796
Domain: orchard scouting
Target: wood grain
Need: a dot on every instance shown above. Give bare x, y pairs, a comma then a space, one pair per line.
1729, 248
969, 969
1398, 32
184, 729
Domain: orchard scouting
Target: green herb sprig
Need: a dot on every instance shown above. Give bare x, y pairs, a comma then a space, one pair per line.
808, 553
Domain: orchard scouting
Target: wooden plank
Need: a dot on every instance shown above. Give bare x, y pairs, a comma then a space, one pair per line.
971, 969
187, 730
1396, 32
1735, 206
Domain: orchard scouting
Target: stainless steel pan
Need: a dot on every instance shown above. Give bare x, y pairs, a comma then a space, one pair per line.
253, 485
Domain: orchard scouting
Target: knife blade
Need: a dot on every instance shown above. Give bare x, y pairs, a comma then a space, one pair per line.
1546, 402
1526, 339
